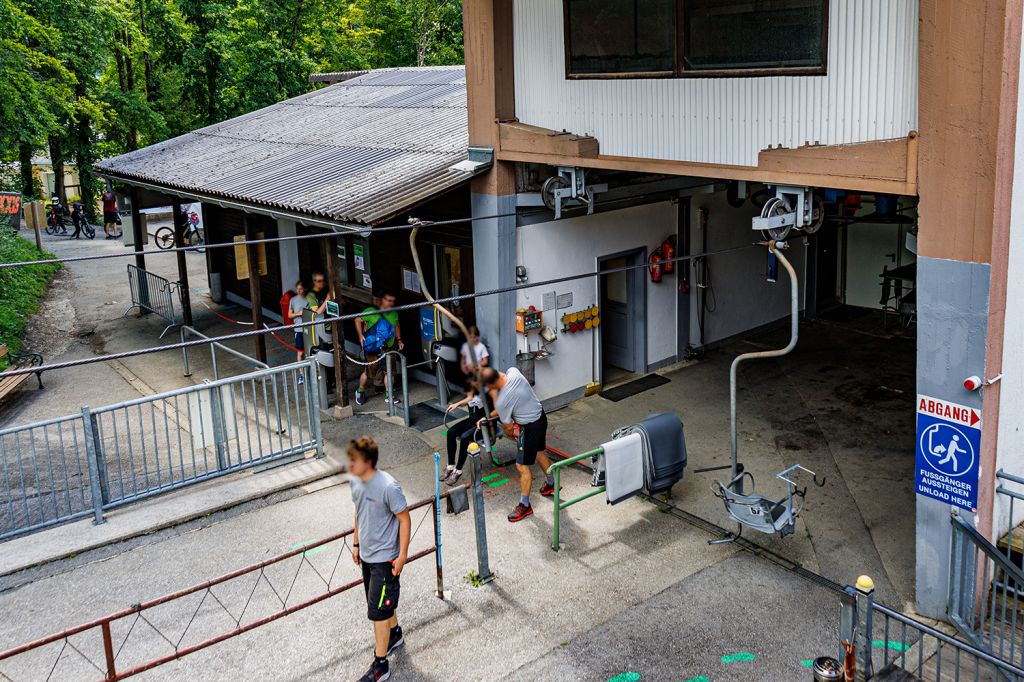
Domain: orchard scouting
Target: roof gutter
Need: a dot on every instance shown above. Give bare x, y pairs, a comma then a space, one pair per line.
302, 218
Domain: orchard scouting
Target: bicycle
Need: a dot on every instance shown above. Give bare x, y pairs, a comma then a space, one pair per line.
165, 238
55, 217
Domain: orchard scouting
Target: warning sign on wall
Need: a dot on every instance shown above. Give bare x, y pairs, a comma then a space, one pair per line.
948, 452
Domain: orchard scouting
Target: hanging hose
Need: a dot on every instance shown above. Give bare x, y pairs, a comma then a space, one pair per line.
794, 324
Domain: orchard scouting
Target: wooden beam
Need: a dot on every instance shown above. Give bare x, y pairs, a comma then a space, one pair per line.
179, 240
140, 258
255, 296
799, 167
521, 137
337, 328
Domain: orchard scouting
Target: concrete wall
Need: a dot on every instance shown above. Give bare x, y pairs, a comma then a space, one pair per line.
952, 325
1010, 451
870, 92
741, 297
573, 245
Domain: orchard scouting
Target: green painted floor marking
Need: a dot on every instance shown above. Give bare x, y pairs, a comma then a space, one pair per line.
625, 677
891, 644
498, 483
699, 678
807, 662
491, 477
308, 552
739, 657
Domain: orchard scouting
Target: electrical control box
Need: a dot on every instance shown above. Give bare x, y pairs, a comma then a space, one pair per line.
529, 320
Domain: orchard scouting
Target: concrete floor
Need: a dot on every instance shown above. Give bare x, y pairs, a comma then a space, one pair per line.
633, 589
842, 404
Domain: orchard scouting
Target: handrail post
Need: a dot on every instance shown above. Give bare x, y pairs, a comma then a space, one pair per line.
313, 400
216, 408
405, 389
437, 525
108, 651
388, 383
865, 607
483, 564
558, 505
184, 351
93, 457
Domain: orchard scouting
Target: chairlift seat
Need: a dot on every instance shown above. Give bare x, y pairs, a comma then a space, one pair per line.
759, 512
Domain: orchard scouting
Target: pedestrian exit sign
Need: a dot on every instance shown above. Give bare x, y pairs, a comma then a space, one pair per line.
948, 452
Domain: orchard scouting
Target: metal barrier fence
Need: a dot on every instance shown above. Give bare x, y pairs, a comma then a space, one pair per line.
985, 594
63, 469
886, 640
176, 625
185, 331
153, 293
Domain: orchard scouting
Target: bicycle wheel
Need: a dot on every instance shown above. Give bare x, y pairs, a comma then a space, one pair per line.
51, 227
195, 238
164, 237
89, 229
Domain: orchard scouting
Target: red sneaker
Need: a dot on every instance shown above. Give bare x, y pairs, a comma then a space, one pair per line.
519, 513
548, 490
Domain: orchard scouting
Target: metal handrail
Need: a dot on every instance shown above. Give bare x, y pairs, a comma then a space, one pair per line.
214, 345
104, 623
944, 638
988, 549
556, 471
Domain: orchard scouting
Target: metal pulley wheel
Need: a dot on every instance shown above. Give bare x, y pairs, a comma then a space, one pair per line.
547, 190
817, 215
773, 208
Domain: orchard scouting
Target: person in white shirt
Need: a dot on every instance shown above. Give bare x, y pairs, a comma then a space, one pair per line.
479, 349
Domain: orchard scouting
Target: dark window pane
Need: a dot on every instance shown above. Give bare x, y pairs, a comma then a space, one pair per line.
752, 34
620, 36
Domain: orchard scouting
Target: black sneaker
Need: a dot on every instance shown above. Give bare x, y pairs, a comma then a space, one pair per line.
396, 640
377, 672
360, 397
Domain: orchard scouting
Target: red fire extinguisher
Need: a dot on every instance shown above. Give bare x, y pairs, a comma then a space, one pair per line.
654, 263
668, 252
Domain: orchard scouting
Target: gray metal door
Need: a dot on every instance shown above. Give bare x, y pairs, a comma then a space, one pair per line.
620, 305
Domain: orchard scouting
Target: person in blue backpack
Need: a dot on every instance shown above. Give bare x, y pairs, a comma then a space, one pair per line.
379, 332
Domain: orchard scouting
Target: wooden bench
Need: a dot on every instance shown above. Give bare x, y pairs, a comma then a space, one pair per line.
18, 361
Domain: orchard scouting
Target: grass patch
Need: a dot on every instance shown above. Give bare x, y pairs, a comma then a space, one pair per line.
20, 288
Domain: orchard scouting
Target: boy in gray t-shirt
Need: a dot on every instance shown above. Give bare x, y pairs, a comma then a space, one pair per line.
380, 545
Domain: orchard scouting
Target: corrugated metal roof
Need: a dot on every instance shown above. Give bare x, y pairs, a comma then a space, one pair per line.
360, 151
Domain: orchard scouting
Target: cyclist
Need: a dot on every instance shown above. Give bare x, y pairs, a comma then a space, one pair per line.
77, 217
57, 213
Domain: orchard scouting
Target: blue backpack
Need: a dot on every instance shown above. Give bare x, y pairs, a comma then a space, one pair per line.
378, 335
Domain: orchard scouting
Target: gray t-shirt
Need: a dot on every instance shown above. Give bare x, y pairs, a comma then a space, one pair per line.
516, 400
298, 303
377, 501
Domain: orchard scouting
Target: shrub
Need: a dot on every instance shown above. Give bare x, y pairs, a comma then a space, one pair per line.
21, 288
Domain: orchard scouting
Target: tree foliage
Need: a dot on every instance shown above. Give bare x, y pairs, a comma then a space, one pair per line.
88, 79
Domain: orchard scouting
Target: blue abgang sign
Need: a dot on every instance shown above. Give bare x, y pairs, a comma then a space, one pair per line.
948, 452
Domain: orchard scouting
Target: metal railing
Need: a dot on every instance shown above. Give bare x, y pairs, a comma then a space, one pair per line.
556, 471
389, 383
185, 331
153, 293
168, 627
84, 464
986, 601
885, 639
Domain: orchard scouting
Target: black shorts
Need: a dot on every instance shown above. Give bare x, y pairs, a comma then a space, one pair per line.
109, 217
382, 590
300, 339
533, 438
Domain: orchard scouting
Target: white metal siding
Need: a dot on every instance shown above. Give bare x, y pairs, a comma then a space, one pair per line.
870, 92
